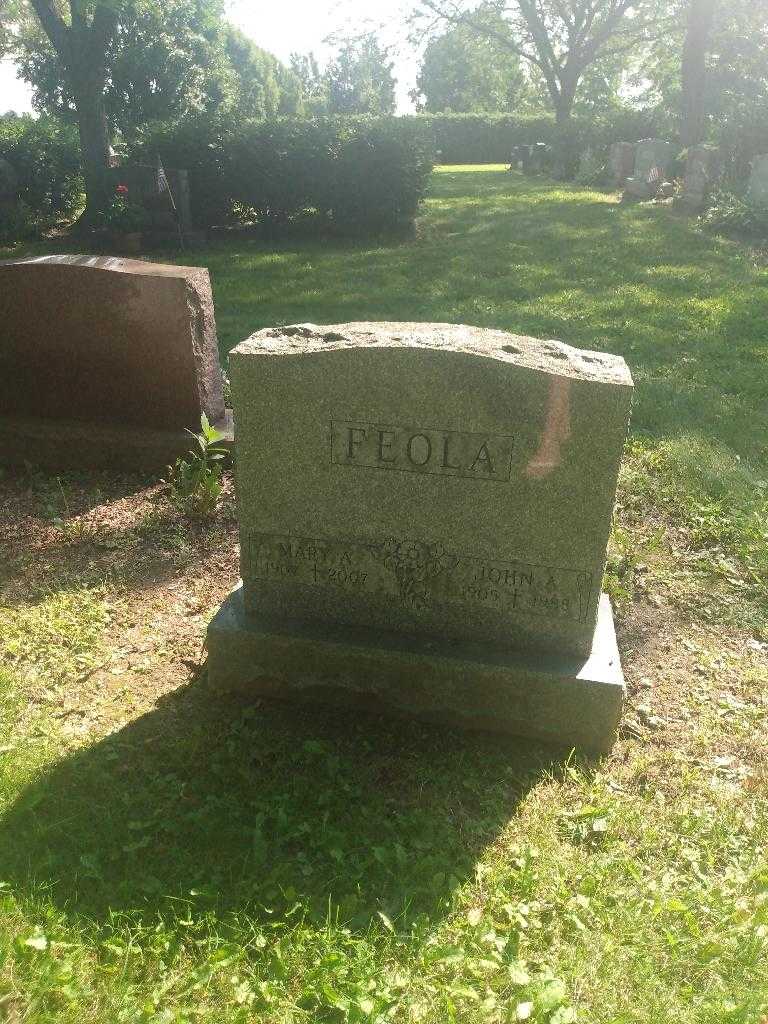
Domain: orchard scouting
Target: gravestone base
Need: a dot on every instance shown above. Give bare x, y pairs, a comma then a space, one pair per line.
637, 190
560, 698
61, 444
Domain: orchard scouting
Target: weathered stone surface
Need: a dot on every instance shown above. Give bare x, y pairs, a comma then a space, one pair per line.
622, 162
652, 158
566, 699
758, 180
428, 480
103, 340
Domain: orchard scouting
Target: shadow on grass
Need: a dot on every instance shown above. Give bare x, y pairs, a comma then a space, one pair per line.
213, 805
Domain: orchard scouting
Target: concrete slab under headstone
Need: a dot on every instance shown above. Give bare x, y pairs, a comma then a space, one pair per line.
556, 697
444, 484
125, 350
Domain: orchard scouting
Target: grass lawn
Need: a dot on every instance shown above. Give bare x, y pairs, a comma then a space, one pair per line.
166, 858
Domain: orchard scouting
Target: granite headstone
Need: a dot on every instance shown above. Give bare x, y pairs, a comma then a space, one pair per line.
622, 162
122, 353
424, 513
652, 158
701, 168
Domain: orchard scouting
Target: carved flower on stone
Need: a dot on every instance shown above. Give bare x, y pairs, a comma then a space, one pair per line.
413, 563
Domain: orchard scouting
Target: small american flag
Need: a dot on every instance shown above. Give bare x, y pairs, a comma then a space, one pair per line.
654, 175
162, 180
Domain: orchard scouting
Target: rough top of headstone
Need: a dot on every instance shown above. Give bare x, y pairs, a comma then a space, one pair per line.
532, 353
112, 263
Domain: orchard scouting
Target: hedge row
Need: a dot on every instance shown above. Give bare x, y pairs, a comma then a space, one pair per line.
354, 173
351, 173
489, 138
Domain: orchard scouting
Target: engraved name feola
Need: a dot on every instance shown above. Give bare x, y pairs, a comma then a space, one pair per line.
413, 449
419, 575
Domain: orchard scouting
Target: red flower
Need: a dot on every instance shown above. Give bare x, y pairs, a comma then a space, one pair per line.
122, 189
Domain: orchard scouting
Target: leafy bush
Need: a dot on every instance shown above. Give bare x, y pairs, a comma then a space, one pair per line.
122, 215
356, 173
16, 222
45, 156
733, 211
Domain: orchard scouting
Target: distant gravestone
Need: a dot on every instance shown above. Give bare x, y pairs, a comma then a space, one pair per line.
424, 513
539, 157
521, 158
165, 198
105, 361
758, 180
622, 162
652, 158
701, 169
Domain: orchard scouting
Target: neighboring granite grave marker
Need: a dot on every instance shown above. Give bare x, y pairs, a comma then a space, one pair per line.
622, 162
424, 513
105, 361
652, 158
701, 169
166, 203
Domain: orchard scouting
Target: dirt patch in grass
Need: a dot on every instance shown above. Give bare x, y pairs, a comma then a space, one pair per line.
159, 576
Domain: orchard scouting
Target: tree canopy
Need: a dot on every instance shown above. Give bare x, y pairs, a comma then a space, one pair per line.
360, 79
162, 62
560, 41
463, 71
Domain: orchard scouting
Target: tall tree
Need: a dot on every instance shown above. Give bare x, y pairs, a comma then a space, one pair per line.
710, 77
464, 72
80, 37
313, 83
158, 62
261, 85
693, 70
560, 39
360, 78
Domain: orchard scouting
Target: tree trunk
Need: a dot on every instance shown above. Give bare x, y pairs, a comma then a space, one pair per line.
94, 146
562, 100
81, 47
563, 103
694, 72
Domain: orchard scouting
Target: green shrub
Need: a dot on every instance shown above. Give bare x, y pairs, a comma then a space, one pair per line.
733, 211
122, 215
16, 222
354, 173
45, 156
